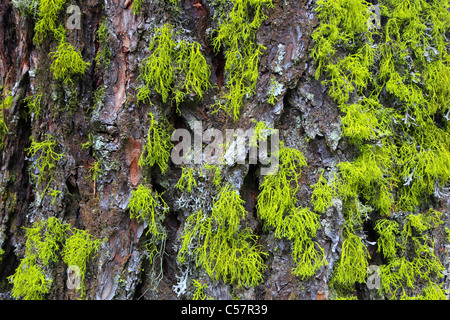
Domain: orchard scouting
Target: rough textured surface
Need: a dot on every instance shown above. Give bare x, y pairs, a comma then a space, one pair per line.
307, 117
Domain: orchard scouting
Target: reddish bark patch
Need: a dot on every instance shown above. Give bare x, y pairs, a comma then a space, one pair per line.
133, 151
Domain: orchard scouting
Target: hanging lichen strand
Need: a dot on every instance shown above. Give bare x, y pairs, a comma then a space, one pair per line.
278, 208
67, 61
215, 236
174, 69
392, 85
237, 35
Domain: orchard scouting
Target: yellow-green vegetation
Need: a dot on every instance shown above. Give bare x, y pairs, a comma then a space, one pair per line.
54, 194
149, 207
220, 244
6, 101
67, 62
404, 274
103, 56
158, 146
49, 11
261, 132
199, 293
237, 35
95, 170
46, 241
187, 180
352, 266
29, 280
323, 194
174, 67
273, 87
190, 176
78, 250
33, 103
278, 207
392, 86
46, 161
137, 6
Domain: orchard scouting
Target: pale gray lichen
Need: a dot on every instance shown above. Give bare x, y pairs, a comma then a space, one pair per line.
277, 63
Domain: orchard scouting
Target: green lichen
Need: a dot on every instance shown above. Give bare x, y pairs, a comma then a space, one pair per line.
29, 280
137, 6
387, 242
413, 76
67, 62
218, 244
278, 207
158, 146
103, 57
33, 103
199, 293
6, 101
47, 240
174, 67
237, 35
323, 194
49, 11
274, 91
392, 86
403, 275
187, 180
95, 170
78, 250
149, 207
54, 194
261, 132
46, 162
352, 266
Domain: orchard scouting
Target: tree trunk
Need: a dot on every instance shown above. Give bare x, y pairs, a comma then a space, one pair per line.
101, 106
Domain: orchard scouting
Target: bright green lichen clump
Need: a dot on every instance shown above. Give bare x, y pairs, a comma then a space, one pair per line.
220, 245
6, 101
323, 194
176, 67
149, 207
401, 275
77, 251
278, 208
67, 62
47, 160
158, 146
103, 56
46, 241
237, 34
199, 293
353, 264
187, 180
391, 85
49, 11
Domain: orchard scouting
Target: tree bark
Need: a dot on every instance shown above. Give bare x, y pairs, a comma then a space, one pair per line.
306, 116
